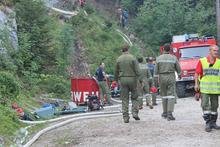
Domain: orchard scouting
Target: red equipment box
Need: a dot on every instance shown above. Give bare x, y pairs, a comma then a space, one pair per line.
82, 87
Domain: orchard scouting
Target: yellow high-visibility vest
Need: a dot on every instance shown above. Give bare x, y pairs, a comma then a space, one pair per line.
210, 82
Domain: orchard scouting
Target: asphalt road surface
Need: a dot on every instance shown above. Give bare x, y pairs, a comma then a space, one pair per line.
151, 131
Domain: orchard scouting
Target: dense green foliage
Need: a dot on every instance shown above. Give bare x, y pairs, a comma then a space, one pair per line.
158, 20
45, 44
36, 25
7, 2
9, 123
132, 6
54, 84
38, 66
9, 88
99, 37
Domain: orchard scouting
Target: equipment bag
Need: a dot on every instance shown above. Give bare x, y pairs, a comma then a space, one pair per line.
93, 103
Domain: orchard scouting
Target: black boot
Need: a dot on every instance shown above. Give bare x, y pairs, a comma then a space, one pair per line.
213, 122
136, 117
164, 115
207, 118
126, 119
170, 116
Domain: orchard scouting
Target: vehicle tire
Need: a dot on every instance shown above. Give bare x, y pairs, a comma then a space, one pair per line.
180, 90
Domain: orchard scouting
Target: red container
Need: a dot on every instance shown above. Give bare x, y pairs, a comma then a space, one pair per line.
153, 90
81, 88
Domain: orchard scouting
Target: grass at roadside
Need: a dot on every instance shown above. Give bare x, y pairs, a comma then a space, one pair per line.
10, 123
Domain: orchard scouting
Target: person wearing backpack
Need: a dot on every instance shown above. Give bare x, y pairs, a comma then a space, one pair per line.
124, 18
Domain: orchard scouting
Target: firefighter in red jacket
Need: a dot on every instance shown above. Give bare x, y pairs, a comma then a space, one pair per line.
207, 81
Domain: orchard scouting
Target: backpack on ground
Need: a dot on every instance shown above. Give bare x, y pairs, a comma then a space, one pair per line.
93, 103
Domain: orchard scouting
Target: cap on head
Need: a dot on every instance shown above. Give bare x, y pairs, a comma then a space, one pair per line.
167, 47
140, 59
150, 59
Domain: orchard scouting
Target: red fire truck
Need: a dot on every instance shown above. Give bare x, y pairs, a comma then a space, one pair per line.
189, 49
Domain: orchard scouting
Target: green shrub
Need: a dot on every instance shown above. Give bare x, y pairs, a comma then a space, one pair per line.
7, 63
8, 2
56, 85
9, 87
89, 9
9, 124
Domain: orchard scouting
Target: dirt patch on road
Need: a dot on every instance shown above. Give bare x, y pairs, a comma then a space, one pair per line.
151, 130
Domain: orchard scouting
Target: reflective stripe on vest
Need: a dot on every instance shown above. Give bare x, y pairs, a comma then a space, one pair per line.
166, 61
210, 82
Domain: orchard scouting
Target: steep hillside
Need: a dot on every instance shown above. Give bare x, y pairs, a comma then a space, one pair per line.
99, 37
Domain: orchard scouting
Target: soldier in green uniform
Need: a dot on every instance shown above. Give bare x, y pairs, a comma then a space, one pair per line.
143, 84
127, 71
166, 66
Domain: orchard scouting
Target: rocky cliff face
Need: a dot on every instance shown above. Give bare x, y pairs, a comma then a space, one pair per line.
8, 30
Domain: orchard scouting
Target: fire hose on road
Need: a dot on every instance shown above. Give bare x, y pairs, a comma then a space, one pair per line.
67, 117
71, 118
119, 101
88, 116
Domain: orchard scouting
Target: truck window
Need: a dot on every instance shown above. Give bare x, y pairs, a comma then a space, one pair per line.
194, 52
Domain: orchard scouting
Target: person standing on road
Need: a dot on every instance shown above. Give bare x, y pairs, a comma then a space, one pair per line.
207, 81
153, 82
128, 72
102, 82
143, 84
166, 66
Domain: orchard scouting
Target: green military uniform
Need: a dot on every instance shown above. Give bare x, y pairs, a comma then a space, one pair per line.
127, 71
104, 89
143, 84
166, 66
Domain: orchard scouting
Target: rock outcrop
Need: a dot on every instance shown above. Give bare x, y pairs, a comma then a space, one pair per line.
8, 28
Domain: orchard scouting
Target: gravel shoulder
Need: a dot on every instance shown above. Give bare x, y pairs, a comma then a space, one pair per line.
150, 131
